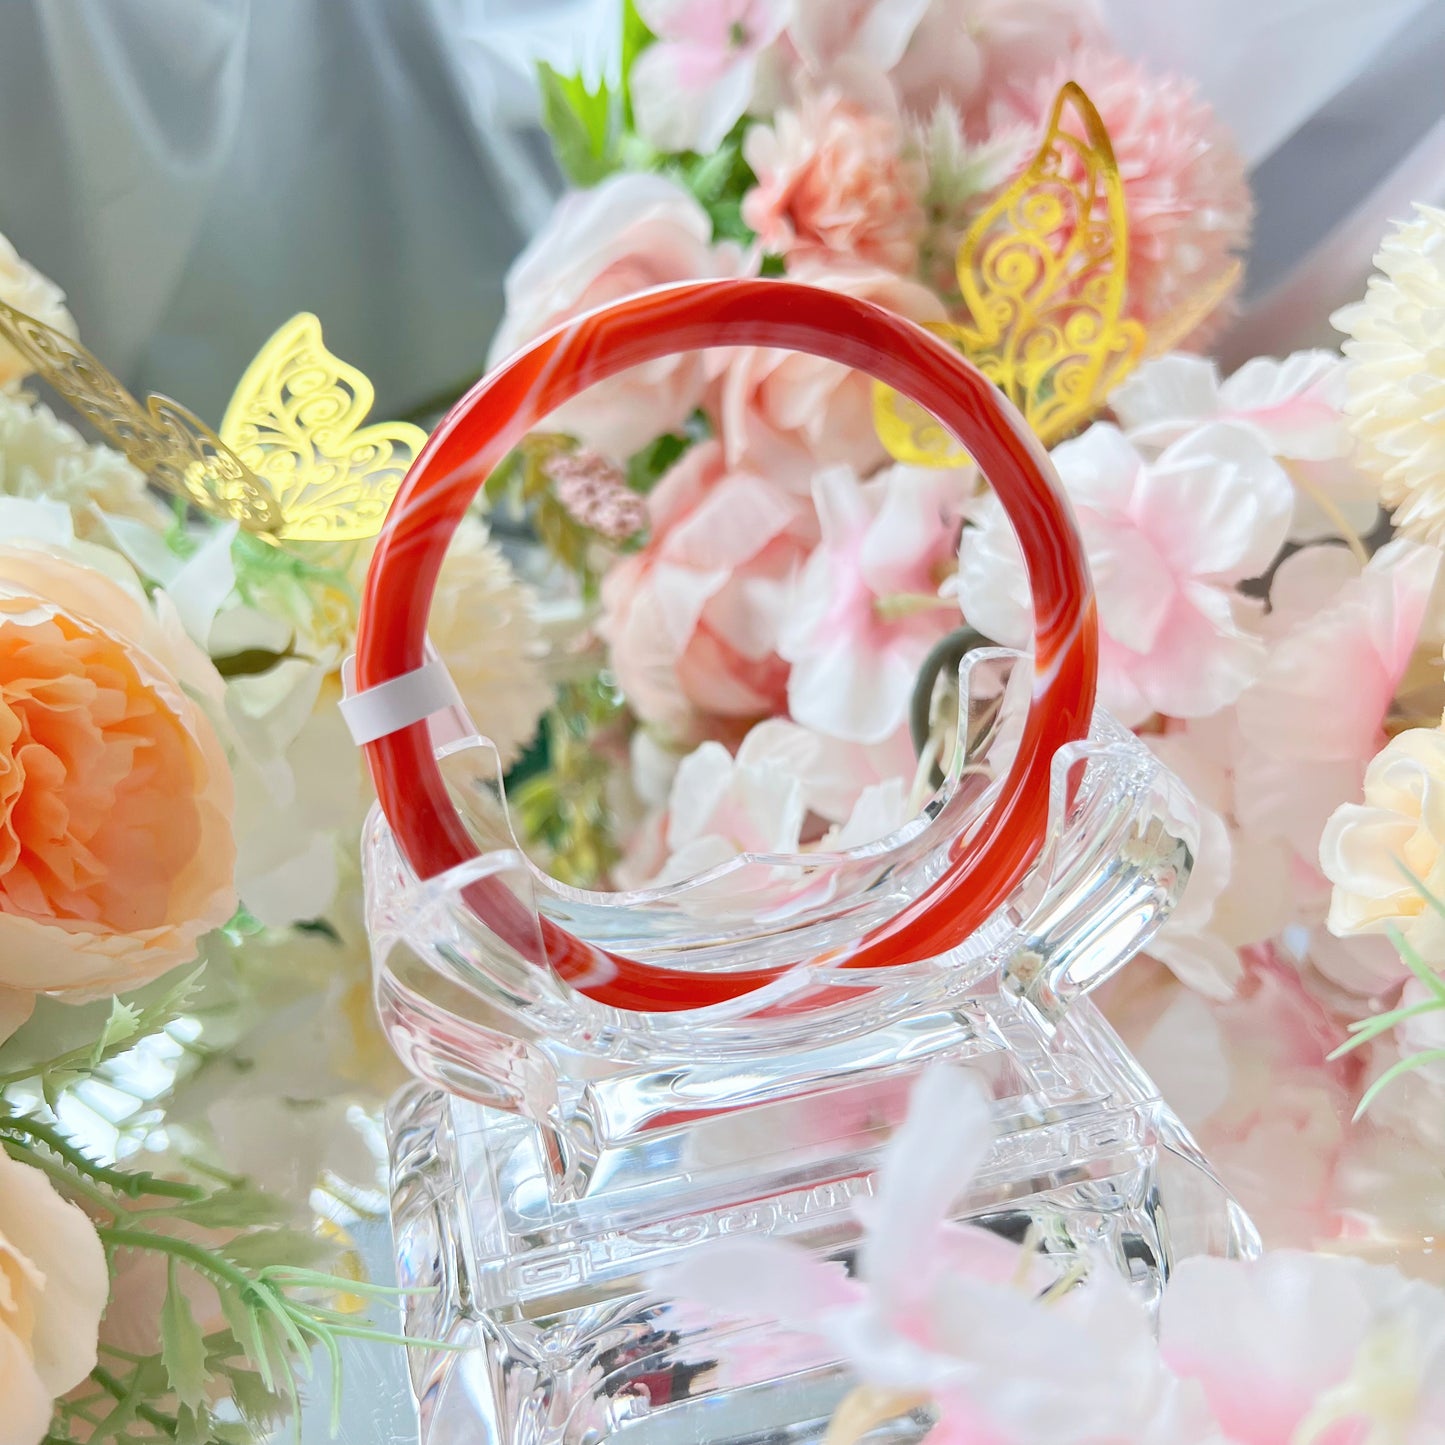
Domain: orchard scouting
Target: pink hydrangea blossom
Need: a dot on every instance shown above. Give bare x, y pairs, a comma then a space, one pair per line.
833, 180
865, 611
693, 618
1167, 540
785, 414
1294, 747
696, 80
1299, 1347
978, 54
1294, 406
1185, 191
629, 233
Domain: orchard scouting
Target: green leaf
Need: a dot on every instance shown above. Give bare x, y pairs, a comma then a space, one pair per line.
120, 1027
194, 1426
636, 37
1395, 1071
183, 1349
580, 122
251, 661
278, 1246
645, 468
238, 1208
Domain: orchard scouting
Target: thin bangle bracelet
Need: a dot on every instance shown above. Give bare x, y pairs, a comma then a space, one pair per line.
987, 861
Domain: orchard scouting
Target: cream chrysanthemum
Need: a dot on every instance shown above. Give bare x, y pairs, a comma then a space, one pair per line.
24, 288
1396, 350
484, 624
40, 456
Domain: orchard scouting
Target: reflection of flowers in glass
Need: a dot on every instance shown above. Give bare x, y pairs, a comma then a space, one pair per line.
53, 1288
832, 178
1397, 377
1400, 821
116, 849
629, 233
24, 288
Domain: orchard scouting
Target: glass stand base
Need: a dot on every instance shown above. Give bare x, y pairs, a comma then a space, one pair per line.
534, 1245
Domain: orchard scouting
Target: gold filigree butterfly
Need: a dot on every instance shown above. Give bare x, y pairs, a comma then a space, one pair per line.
292, 461
1044, 277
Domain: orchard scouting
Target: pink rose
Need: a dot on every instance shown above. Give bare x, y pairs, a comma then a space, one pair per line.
833, 181
116, 848
785, 414
632, 232
693, 618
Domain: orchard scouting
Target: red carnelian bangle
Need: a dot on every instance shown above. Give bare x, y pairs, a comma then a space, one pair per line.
986, 862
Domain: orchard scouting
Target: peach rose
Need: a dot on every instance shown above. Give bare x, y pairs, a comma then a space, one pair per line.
632, 232
53, 1287
693, 618
785, 414
116, 850
833, 181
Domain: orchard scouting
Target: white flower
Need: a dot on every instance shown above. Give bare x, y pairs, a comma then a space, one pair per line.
1396, 404
53, 1287
24, 288
721, 806
40, 456
484, 625
1401, 821
1293, 406
1167, 541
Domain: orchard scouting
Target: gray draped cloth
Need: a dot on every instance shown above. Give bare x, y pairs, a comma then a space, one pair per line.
195, 171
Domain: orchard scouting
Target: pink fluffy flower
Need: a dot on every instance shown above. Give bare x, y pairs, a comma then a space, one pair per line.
865, 609
833, 179
785, 414
631, 232
1185, 191
693, 84
1168, 540
693, 618
976, 54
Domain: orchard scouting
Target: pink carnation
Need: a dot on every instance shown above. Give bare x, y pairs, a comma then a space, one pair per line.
1188, 202
832, 180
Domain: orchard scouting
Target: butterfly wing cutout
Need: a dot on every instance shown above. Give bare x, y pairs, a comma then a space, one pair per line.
165, 441
296, 420
1043, 273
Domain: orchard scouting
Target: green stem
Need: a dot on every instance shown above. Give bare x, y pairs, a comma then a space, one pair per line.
57, 1171
205, 1260
132, 1186
117, 1391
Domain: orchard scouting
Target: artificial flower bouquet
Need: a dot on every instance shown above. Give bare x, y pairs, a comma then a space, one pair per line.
737, 565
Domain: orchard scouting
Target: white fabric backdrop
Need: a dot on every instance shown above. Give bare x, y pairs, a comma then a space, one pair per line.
193, 171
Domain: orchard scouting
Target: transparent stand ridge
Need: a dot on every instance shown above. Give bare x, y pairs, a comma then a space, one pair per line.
555, 1155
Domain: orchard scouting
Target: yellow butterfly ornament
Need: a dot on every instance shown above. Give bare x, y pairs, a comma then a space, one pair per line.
293, 460
1043, 274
